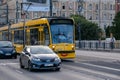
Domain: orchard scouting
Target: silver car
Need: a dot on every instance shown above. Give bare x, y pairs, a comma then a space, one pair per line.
39, 57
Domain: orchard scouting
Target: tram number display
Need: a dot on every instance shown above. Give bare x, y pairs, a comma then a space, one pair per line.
61, 21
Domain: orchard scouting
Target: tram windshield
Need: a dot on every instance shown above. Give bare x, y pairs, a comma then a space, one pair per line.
62, 33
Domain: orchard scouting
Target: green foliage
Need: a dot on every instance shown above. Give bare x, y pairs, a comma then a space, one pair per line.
115, 29
89, 30
108, 31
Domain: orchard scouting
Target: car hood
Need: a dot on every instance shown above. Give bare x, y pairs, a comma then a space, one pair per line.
10, 49
45, 56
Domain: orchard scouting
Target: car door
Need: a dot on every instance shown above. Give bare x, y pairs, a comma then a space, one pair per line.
24, 57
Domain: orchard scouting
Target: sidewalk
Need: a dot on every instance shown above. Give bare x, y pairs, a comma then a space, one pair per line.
103, 50
100, 54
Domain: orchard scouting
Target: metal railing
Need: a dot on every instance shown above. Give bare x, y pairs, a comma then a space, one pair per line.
98, 45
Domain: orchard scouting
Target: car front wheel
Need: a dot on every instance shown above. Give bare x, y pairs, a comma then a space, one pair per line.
30, 66
57, 69
21, 66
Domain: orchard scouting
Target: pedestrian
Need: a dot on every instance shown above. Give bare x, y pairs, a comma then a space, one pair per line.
112, 43
33, 41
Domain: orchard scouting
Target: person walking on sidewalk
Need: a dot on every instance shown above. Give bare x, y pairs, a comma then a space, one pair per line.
112, 43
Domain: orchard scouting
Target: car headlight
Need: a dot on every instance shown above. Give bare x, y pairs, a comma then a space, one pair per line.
14, 51
1, 52
57, 59
36, 59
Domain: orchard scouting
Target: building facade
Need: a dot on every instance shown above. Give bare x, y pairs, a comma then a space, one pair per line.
101, 12
117, 2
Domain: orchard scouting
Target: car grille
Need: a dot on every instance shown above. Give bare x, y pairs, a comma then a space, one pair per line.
47, 60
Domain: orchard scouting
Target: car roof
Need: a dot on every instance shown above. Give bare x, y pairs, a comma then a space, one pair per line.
5, 41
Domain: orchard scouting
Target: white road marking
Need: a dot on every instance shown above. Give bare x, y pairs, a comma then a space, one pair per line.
102, 66
8, 63
19, 71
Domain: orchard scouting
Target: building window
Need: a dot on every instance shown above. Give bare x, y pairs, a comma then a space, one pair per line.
79, 8
35, 14
97, 17
111, 17
43, 13
111, 7
18, 15
97, 7
105, 7
70, 6
63, 14
63, 6
90, 6
90, 17
104, 16
54, 14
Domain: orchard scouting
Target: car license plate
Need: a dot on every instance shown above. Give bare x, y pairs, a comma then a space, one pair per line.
8, 54
64, 54
48, 64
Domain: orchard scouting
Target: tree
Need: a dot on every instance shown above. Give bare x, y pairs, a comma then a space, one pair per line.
108, 31
89, 30
115, 29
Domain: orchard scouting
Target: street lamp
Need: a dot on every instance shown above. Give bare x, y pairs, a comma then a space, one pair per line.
23, 13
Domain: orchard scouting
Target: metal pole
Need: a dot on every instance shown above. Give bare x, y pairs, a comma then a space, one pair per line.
24, 15
7, 13
24, 33
9, 31
50, 7
79, 35
99, 13
16, 11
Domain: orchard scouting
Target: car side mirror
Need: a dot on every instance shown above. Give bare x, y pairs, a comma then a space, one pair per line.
27, 53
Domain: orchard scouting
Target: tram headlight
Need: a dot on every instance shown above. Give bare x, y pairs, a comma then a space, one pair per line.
73, 47
53, 47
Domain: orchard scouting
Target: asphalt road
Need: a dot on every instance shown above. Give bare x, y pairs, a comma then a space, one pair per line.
84, 67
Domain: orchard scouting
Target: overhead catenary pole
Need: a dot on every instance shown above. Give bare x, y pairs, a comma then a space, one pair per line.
80, 7
23, 13
50, 7
7, 13
99, 13
16, 11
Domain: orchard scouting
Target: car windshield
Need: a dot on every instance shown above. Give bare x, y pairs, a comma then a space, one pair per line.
41, 50
5, 44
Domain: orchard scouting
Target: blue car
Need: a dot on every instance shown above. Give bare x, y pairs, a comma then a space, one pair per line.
7, 49
39, 57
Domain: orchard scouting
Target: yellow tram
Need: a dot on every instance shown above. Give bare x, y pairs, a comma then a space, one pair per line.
56, 32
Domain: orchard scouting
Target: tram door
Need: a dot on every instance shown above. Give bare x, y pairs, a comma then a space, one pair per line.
34, 36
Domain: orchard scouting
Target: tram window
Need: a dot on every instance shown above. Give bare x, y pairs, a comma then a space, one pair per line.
34, 39
0, 36
18, 36
5, 35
